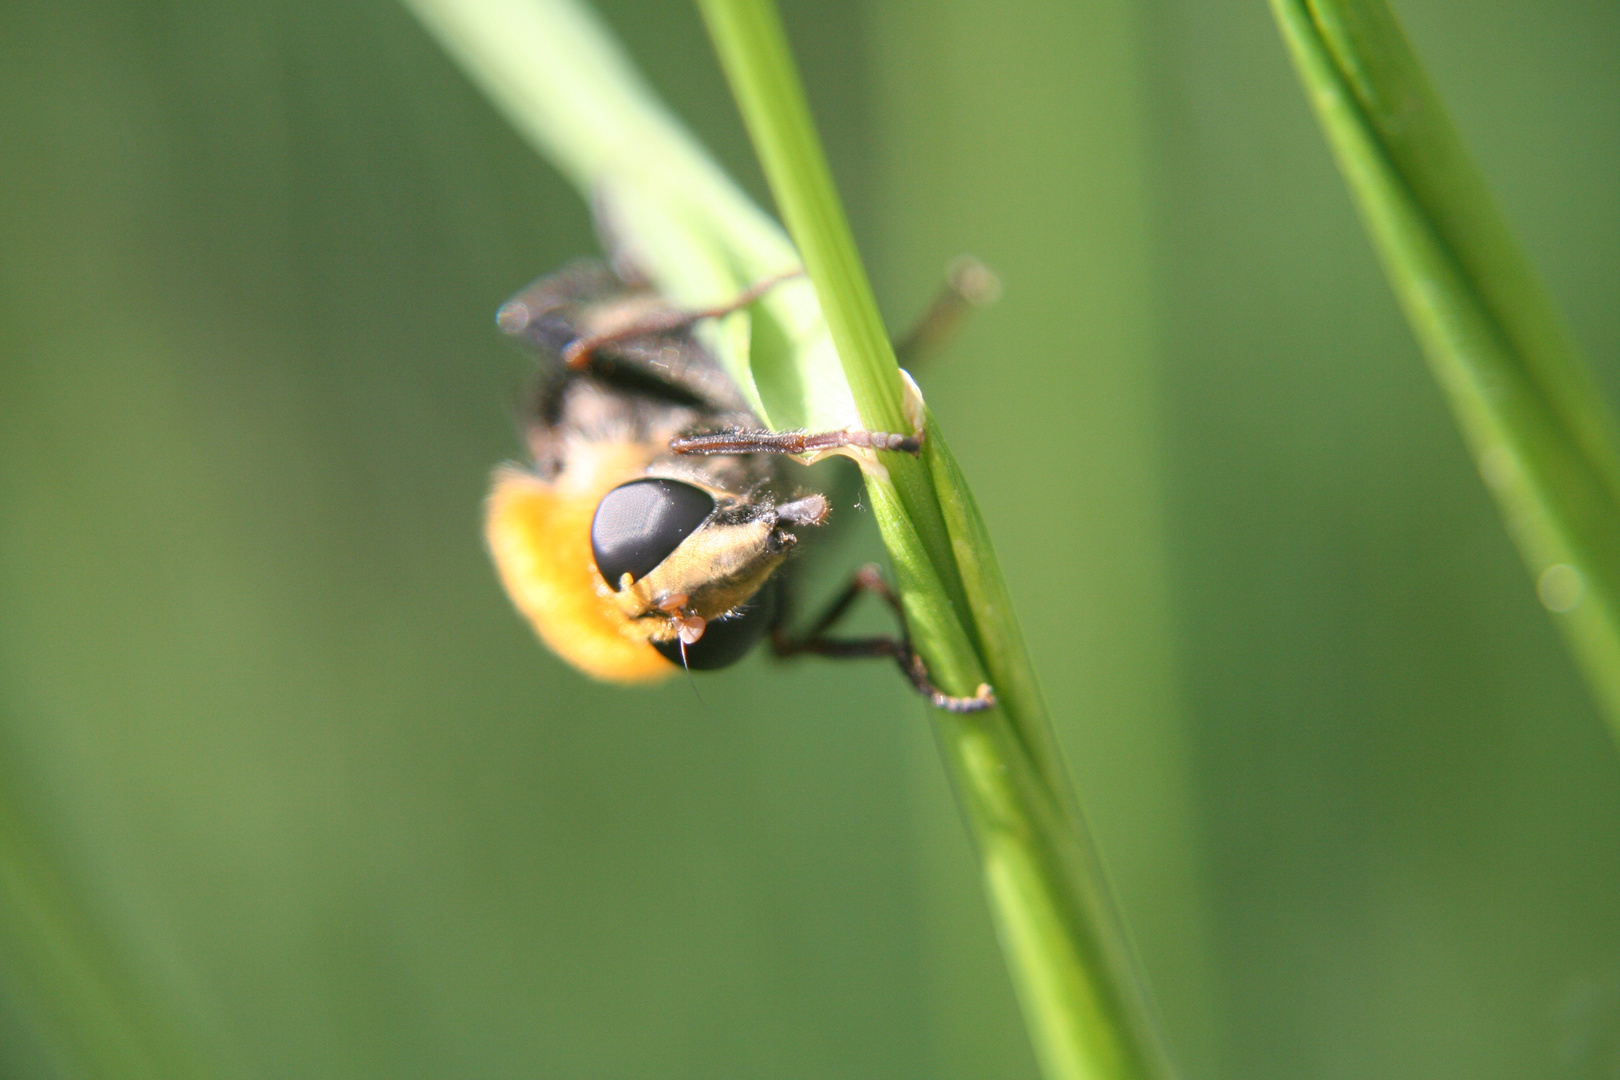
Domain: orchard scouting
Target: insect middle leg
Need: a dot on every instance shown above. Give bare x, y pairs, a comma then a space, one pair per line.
815, 640
969, 285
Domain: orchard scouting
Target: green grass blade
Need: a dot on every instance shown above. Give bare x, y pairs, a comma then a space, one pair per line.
1527, 406
1075, 977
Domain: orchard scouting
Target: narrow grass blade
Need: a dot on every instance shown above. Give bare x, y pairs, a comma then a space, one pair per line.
1526, 404
1074, 974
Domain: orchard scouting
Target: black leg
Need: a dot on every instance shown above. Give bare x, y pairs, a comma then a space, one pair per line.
815, 641
666, 320
968, 284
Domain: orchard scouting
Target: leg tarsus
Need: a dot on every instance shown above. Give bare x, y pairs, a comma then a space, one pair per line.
983, 698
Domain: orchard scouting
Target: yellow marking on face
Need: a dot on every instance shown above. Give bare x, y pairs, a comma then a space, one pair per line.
540, 535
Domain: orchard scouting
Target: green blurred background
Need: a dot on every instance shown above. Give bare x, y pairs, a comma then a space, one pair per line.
286, 790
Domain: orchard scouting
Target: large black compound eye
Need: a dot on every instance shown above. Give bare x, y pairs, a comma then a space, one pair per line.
638, 524
725, 641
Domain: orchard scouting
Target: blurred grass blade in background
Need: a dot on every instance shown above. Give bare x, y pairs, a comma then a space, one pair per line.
96, 1016
552, 69
1533, 417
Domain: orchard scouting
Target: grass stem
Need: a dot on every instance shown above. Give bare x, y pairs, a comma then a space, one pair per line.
1076, 979
1528, 408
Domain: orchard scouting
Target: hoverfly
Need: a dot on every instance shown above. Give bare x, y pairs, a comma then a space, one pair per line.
652, 527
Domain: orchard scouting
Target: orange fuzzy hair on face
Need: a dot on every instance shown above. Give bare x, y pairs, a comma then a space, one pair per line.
540, 535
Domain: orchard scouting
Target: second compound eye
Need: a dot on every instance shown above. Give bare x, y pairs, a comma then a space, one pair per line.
638, 524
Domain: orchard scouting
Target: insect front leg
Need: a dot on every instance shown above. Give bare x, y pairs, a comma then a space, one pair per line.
969, 285
815, 640
745, 441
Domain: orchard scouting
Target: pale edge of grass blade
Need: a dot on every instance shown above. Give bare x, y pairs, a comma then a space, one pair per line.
1077, 981
1527, 406
562, 82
